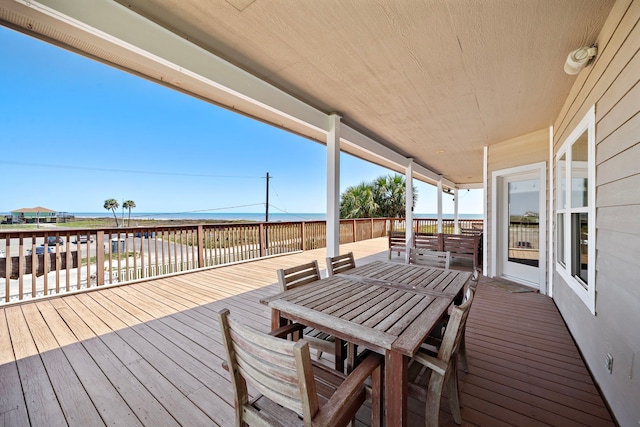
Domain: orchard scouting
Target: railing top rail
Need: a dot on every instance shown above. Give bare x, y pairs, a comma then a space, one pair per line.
13, 233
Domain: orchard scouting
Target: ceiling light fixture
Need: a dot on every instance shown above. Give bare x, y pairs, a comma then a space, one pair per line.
579, 58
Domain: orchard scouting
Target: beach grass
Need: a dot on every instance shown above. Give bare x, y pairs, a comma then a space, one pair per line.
18, 226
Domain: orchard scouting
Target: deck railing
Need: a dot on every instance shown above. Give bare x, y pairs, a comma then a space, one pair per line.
69, 260
430, 225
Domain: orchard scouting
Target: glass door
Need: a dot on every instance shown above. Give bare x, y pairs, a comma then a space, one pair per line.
520, 220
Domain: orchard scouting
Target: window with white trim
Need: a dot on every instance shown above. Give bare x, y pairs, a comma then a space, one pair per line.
575, 212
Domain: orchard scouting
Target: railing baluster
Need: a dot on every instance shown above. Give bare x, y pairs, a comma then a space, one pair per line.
169, 250
135, 258
100, 258
7, 268
34, 259
46, 259
142, 263
21, 266
79, 261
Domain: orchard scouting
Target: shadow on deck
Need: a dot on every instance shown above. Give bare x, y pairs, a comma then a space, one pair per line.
150, 353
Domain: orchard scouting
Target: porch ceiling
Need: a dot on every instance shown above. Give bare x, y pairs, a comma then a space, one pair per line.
431, 80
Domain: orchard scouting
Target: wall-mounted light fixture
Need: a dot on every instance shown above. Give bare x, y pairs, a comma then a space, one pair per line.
579, 58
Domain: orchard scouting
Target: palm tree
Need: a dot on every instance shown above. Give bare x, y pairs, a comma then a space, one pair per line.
113, 205
358, 202
389, 194
129, 204
384, 197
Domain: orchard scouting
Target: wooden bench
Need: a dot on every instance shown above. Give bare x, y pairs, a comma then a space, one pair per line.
463, 246
459, 245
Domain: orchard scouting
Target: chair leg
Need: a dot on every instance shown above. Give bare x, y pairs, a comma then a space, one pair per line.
462, 351
453, 395
339, 351
434, 395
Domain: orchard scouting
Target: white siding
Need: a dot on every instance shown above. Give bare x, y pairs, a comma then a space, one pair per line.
611, 83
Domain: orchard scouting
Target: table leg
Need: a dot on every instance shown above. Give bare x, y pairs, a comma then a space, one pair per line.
276, 320
340, 356
395, 389
352, 356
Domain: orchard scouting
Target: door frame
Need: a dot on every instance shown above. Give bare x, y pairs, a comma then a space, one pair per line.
540, 168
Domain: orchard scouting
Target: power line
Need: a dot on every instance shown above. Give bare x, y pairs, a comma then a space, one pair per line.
54, 166
200, 210
283, 209
288, 213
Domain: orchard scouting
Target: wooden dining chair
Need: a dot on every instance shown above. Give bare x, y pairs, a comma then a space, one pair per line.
291, 387
290, 278
421, 256
340, 263
435, 337
430, 373
473, 285
335, 265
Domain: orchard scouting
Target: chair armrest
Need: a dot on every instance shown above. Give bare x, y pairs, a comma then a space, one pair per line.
285, 330
350, 395
436, 365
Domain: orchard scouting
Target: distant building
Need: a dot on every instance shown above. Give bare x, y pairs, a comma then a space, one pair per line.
33, 215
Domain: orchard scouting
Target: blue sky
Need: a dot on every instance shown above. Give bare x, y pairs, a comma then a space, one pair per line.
76, 132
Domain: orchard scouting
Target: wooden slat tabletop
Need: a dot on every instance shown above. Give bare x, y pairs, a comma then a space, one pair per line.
374, 316
431, 280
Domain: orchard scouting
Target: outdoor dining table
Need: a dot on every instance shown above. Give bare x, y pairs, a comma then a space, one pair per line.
386, 307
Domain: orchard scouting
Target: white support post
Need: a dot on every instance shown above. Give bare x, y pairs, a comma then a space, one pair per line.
550, 218
456, 228
409, 208
440, 205
333, 186
485, 209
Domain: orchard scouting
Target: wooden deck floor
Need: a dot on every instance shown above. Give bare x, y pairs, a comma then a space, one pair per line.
150, 353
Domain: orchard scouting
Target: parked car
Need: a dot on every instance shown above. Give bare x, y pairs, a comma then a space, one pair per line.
40, 250
84, 238
51, 240
145, 234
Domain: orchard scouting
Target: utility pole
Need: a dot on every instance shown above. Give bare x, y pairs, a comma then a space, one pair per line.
266, 216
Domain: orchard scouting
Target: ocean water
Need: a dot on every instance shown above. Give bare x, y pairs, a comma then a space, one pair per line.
259, 217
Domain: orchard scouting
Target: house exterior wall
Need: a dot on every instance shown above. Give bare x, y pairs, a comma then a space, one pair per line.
611, 83
520, 151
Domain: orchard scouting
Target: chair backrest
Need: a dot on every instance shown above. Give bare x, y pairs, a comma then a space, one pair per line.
420, 256
397, 238
290, 278
340, 263
471, 231
475, 278
455, 328
280, 370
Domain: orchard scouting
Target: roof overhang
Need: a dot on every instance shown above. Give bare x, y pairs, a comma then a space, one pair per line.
434, 82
